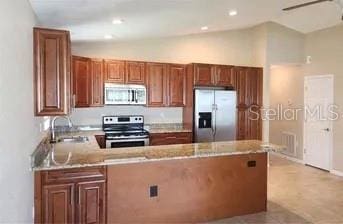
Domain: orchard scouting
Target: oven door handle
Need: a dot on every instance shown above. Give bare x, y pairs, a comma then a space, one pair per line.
127, 140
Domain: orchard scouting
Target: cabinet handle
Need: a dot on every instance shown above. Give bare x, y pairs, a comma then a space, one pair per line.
172, 137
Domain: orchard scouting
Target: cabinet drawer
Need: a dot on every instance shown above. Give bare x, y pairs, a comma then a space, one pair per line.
74, 175
171, 138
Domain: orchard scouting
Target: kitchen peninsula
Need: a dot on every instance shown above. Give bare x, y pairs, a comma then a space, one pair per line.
80, 182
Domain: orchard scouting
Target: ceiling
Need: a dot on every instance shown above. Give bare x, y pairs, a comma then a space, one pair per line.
90, 20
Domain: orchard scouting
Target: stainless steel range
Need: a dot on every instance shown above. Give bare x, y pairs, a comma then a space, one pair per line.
125, 131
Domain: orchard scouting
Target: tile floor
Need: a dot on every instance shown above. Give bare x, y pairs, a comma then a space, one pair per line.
298, 194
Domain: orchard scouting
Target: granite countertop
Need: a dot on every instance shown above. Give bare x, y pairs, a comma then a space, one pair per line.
76, 155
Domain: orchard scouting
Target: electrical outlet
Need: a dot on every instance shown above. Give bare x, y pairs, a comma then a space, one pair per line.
153, 191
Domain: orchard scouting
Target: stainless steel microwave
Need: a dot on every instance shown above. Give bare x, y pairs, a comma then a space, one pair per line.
117, 94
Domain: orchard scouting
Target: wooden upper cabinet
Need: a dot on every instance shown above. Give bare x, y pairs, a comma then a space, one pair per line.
114, 71
203, 75
97, 82
254, 88
81, 81
135, 72
52, 72
157, 84
242, 87
91, 202
176, 85
58, 203
224, 76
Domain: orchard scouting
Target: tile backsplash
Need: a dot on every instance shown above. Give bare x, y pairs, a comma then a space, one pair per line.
93, 116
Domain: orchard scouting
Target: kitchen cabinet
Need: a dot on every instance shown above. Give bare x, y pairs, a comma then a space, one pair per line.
157, 84
124, 72
224, 76
81, 81
71, 195
58, 203
97, 82
171, 138
176, 85
213, 75
249, 102
135, 72
166, 85
203, 75
114, 71
91, 198
52, 65
242, 87
88, 83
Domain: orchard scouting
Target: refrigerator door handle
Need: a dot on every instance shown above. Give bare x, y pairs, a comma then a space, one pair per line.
214, 120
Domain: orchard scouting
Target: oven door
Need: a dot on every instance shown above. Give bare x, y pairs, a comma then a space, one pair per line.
120, 143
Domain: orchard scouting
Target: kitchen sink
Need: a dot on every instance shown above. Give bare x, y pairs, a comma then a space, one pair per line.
74, 139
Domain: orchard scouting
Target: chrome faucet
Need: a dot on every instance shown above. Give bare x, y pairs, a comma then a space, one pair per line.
53, 121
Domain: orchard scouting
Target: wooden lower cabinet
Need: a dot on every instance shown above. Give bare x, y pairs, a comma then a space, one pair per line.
91, 200
171, 138
71, 196
58, 203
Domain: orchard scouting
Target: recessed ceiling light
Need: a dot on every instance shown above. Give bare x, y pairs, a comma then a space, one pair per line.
108, 36
117, 21
204, 28
233, 12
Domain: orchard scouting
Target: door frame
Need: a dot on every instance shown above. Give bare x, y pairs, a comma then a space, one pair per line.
330, 77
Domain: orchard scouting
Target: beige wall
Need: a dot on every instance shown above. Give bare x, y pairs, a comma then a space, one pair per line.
229, 47
275, 44
287, 89
326, 49
20, 131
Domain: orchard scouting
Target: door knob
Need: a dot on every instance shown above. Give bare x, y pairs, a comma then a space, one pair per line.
326, 129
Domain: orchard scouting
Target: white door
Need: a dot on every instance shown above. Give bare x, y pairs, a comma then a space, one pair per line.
318, 100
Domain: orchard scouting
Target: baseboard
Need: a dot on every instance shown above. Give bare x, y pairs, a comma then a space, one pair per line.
288, 157
337, 173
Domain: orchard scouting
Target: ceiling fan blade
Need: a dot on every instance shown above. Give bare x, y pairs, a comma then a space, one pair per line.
305, 4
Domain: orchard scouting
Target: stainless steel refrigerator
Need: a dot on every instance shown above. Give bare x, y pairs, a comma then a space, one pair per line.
215, 115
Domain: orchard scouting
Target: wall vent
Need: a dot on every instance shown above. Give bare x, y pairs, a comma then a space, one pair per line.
289, 140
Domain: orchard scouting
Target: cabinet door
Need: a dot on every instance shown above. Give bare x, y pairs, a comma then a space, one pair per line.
114, 71
81, 81
242, 87
176, 85
135, 72
254, 124
97, 83
58, 203
203, 75
254, 88
157, 84
171, 138
242, 124
91, 199
224, 76
52, 72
